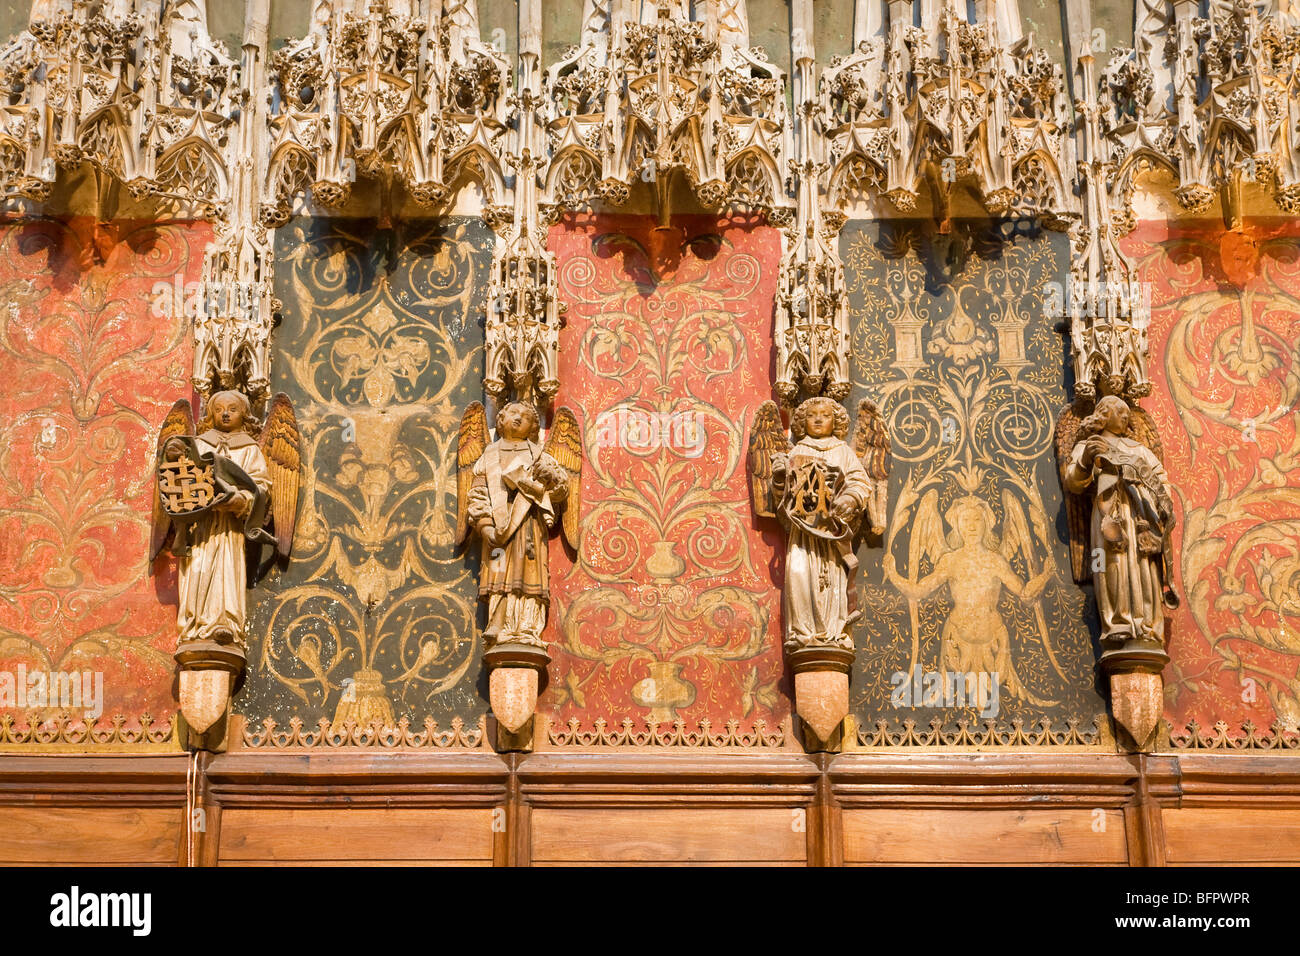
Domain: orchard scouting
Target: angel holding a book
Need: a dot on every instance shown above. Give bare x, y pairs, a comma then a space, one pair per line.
1122, 508
510, 493
820, 489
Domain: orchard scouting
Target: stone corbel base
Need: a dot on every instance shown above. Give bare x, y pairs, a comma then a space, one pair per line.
514, 681
1137, 690
208, 674
821, 694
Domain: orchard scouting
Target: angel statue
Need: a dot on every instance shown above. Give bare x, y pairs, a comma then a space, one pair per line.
820, 490
231, 483
974, 563
1111, 466
509, 492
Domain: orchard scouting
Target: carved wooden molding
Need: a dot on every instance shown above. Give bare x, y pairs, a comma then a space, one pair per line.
992, 734
1222, 736
639, 734
62, 732
351, 736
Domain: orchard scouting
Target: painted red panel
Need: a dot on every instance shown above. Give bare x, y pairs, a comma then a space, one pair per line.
92, 354
672, 609
1224, 327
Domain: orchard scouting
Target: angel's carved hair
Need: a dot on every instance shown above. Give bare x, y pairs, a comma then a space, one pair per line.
531, 412
799, 420
1095, 423
251, 425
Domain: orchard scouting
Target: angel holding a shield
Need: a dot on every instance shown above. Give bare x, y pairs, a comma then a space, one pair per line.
218, 490
820, 490
510, 492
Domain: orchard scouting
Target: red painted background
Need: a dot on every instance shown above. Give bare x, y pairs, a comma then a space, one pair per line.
91, 358
672, 610
1224, 327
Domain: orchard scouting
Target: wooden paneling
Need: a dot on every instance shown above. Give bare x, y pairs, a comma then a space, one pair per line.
626, 807
1065, 835
358, 835
1201, 835
686, 835
89, 835
321, 863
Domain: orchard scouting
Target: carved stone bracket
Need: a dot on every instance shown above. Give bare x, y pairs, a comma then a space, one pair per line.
516, 672
821, 692
402, 98
661, 99
208, 674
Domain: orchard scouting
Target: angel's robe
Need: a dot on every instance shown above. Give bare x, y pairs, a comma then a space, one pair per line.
1128, 485
213, 577
816, 594
514, 568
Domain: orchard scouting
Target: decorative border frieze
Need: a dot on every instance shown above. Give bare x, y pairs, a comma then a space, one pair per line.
639, 734
1223, 737
325, 736
62, 732
997, 734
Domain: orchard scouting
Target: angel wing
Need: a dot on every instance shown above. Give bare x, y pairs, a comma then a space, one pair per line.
1078, 508
1016, 537
564, 444
1142, 428
871, 445
1015, 531
472, 440
926, 540
281, 444
179, 421
927, 534
767, 437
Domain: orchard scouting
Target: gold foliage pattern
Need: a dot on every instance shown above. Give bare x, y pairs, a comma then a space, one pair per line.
381, 349
954, 344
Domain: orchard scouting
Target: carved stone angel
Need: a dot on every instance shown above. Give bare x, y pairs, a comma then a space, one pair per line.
510, 492
1121, 517
820, 489
218, 490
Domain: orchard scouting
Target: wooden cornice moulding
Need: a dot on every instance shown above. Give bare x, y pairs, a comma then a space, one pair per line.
984, 780
92, 780
358, 777
666, 777
1244, 778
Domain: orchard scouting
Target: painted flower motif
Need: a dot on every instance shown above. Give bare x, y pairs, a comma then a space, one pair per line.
959, 339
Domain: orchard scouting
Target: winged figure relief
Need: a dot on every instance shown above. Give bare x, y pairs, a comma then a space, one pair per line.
1141, 429
511, 492
820, 487
222, 486
1121, 516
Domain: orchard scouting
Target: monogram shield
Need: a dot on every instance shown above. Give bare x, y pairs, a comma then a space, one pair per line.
186, 483
810, 493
